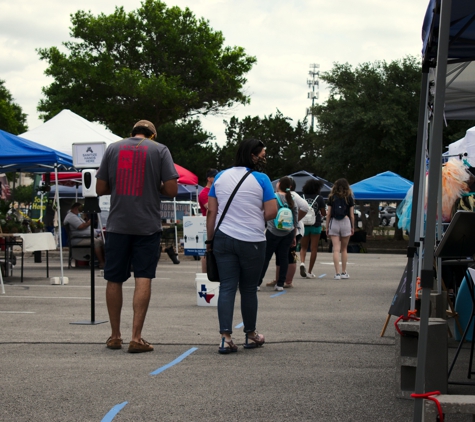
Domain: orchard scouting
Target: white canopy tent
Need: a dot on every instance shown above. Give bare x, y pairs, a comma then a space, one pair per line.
67, 128
464, 147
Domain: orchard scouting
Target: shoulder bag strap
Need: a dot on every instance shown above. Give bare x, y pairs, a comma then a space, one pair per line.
231, 198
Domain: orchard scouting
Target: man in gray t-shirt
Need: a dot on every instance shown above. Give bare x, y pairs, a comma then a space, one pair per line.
134, 171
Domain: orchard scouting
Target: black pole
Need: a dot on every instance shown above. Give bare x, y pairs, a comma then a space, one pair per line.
91, 206
93, 261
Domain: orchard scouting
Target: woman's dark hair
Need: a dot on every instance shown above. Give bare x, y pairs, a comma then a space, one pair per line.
244, 153
312, 187
285, 185
142, 130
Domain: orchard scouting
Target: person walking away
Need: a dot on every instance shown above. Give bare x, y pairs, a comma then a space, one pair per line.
203, 201
239, 244
313, 230
303, 209
340, 224
134, 171
280, 239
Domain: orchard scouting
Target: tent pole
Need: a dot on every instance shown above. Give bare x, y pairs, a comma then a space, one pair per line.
176, 228
59, 226
419, 172
435, 162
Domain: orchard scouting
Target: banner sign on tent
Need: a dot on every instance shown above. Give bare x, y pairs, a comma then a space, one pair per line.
183, 209
194, 235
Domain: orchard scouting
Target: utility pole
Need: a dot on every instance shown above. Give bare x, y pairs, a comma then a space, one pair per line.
313, 84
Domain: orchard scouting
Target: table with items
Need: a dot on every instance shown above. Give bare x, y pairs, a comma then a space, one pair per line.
27, 242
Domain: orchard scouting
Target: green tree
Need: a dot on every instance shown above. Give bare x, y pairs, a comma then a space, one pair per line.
23, 194
12, 118
289, 148
190, 146
155, 63
369, 122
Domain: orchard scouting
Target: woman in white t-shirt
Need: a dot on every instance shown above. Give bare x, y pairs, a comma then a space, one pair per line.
239, 244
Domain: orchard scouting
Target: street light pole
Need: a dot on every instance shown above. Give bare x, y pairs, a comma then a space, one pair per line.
313, 84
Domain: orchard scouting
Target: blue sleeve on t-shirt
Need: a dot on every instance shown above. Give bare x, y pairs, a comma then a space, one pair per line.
264, 181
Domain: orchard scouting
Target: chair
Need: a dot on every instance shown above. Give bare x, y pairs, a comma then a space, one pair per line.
71, 247
470, 280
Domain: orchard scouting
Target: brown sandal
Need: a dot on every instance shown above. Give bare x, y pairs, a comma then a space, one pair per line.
140, 347
257, 341
231, 347
114, 343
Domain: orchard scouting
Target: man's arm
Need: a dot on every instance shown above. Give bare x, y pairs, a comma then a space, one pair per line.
169, 188
102, 187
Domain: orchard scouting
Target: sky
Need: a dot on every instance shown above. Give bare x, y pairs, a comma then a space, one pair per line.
286, 37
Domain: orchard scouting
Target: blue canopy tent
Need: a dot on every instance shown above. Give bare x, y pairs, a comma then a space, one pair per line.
448, 36
301, 178
21, 155
387, 186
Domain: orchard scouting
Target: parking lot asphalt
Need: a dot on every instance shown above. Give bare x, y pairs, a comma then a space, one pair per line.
323, 360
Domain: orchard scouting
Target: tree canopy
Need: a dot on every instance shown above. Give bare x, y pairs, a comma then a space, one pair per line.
156, 63
12, 118
369, 122
289, 147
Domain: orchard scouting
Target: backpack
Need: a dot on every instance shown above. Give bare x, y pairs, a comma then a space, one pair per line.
339, 208
310, 217
284, 219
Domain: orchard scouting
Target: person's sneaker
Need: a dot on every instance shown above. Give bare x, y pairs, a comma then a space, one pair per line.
337, 276
258, 288
303, 270
288, 285
310, 275
278, 288
271, 283
345, 275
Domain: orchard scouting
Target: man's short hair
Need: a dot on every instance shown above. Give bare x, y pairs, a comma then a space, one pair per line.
76, 205
211, 173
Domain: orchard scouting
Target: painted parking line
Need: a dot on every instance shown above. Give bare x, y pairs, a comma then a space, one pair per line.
177, 360
47, 297
16, 312
239, 325
321, 276
278, 294
113, 412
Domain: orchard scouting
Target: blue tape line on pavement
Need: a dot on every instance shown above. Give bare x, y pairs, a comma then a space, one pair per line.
321, 276
239, 325
278, 294
177, 360
113, 412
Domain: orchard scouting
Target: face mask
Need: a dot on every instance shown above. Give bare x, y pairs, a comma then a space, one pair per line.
260, 164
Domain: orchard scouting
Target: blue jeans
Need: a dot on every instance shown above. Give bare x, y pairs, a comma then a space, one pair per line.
281, 246
239, 264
